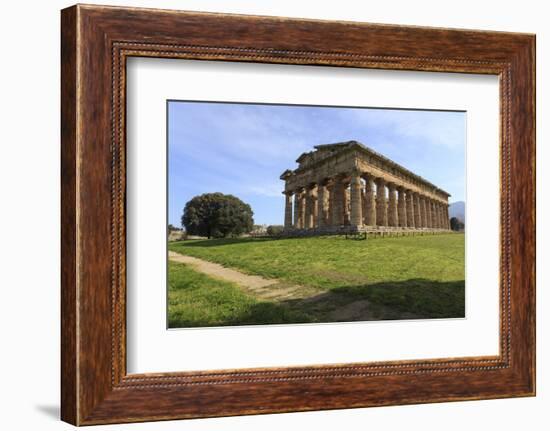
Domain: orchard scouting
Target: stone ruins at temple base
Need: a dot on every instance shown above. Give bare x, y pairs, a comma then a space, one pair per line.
347, 187
343, 230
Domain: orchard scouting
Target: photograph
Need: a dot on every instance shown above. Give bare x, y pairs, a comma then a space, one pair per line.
303, 214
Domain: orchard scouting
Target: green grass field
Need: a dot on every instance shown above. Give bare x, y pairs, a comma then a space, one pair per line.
195, 299
395, 278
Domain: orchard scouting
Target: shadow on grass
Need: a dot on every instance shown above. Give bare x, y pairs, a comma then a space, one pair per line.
261, 313
409, 299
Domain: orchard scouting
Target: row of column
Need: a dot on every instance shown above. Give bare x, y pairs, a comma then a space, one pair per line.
336, 202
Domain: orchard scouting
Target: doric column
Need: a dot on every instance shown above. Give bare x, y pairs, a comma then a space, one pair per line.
429, 213
307, 208
288, 209
393, 218
310, 205
447, 219
370, 203
417, 210
401, 207
381, 203
425, 209
363, 202
302, 210
410, 209
423, 216
356, 210
330, 202
321, 203
314, 207
297, 209
346, 204
338, 201
441, 216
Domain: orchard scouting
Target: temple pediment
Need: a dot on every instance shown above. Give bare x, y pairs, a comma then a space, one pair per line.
321, 152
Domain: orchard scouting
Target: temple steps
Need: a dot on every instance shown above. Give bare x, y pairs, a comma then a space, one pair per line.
364, 232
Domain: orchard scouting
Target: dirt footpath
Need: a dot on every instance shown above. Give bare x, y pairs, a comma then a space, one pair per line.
283, 292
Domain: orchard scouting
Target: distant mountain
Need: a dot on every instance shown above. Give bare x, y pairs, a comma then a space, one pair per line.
458, 210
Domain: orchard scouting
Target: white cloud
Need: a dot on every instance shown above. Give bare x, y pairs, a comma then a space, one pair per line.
433, 127
270, 190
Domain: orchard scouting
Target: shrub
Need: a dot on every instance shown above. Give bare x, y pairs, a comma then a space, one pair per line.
274, 230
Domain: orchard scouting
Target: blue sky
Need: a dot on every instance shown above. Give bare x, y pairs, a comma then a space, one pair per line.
242, 149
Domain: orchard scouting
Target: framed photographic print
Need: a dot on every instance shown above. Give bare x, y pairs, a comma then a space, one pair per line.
265, 215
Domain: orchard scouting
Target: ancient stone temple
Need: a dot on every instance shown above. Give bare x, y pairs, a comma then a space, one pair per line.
347, 187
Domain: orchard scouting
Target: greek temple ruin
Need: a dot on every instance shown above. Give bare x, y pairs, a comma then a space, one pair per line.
348, 187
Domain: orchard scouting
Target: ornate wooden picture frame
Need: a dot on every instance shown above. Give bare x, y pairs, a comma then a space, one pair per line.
96, 41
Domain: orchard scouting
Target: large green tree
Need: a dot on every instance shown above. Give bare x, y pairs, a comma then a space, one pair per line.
216, 215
